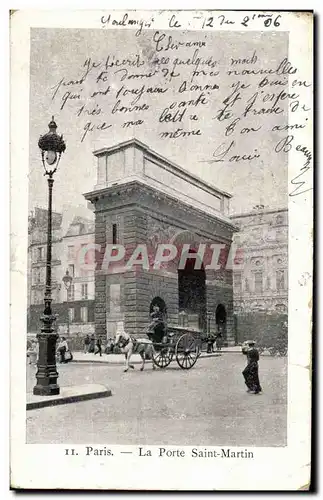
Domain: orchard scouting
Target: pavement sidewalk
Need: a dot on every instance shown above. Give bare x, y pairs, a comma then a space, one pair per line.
118, 359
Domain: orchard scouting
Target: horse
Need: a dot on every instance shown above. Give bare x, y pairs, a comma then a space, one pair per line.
128, 346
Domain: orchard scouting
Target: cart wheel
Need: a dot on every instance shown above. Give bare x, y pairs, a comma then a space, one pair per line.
283, 351
272, 351
163, 357
187, 351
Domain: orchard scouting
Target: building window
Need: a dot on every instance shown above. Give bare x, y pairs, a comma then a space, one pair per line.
38, 298
280, 280
40, 253
258, 282
237, 239
114, 234
37, 276
238, 281
84, 318
84, 292
71, 292
85, 254
71, 314
70, 252
71, 270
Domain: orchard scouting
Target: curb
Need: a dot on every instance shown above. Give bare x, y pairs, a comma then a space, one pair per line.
135, 362
92, 362
72, 398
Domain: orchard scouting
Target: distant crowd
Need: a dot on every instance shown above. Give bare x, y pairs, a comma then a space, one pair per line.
95, 345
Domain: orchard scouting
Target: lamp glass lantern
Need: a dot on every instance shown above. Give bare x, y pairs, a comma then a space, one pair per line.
52, 146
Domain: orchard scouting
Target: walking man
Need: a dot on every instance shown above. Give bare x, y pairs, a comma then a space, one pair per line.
98, 346
92, 343
86, 344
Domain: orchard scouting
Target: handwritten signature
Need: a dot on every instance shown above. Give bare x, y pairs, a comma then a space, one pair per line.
222, 151
285, 145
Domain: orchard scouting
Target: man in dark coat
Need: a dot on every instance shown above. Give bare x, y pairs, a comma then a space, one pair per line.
251, 371
86, 344
92, 343
98, 346
156, 329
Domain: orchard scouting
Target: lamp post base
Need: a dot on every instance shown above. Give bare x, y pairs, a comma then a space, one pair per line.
47, 374
46, 390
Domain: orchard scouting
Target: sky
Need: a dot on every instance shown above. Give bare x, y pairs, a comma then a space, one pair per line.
59, 55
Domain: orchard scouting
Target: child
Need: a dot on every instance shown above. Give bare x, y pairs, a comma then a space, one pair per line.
218, 341
32, 353
250, 372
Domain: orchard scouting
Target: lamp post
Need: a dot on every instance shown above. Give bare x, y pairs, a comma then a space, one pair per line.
52, 146
67, 280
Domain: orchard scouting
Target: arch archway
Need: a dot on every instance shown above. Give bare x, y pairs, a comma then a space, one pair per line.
192, 292
221, 320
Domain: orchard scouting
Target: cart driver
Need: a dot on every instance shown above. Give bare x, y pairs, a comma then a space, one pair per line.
156, 329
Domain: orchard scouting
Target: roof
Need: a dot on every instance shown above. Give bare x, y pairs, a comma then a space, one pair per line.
140, 145
262, 211
79, 226
39, 218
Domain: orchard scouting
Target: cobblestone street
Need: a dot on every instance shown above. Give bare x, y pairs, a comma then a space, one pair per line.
207, 405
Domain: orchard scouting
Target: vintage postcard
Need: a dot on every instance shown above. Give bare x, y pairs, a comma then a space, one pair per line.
161, 222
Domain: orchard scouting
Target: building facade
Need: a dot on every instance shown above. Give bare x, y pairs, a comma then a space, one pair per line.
142, 200
37, 250
261, 282
74, 307
78, 260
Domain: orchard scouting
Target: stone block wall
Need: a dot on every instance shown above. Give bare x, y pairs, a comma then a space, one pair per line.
100, 279
137, 224
142, 287
217, 293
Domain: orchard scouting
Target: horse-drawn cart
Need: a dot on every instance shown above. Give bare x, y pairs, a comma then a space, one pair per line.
180, 343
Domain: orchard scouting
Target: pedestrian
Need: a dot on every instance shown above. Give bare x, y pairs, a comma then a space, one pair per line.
98, 346
210, 342
86, 344
32, 352
92, 343
251, 371
62, 350
218, 341
109, 346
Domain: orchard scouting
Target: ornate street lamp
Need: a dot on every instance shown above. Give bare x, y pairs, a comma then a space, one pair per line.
52, 146
67, 280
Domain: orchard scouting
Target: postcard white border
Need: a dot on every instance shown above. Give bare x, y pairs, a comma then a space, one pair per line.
273, 468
